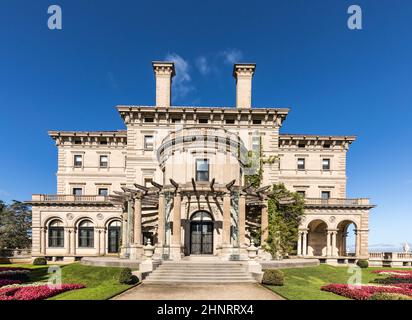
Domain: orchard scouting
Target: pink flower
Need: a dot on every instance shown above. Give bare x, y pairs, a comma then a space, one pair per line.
36, 292
365, 291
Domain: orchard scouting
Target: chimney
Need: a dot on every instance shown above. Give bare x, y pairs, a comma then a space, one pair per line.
164, 72
243, 73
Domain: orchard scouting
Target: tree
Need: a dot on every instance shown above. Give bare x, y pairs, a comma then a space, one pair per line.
285, 210
15, 225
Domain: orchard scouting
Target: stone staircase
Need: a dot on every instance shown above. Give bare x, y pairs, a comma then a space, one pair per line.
186, 272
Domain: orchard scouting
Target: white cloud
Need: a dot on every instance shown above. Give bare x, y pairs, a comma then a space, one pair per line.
202, 65
182, 82
232, 56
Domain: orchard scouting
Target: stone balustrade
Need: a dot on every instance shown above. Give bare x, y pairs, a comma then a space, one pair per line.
390, 259
337, 202
68, 198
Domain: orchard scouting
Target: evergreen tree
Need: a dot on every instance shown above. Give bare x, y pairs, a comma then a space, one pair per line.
15, 225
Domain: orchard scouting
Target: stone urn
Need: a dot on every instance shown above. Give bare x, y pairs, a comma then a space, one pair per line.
148, 250
406, 247
252, 250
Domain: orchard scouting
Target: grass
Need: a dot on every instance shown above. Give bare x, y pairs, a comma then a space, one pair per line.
305, 283
101, 282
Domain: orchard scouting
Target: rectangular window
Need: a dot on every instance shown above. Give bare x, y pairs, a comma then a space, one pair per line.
103, 142
230, 121
56, 237
301, 145
148, 119
103, 192
326, 146
301, 164
104, 161
325, 195
77, 191
203, 120
175, 120
202, 170
257, 121
301, 193
77, 141
78, 161
326, 164
148, 143
147, 182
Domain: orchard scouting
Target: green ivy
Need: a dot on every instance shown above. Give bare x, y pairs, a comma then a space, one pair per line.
285, 210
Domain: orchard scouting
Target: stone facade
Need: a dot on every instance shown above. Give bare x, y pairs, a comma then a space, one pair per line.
175, 176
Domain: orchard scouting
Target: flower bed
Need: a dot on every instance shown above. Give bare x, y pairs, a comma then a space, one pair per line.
15, 274
365, 291
12, 269
39, 292
8, 282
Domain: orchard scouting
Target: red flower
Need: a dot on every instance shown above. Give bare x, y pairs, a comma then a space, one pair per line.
364, 292
36, 292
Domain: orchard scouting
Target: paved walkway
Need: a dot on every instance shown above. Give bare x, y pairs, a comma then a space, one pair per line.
247, 291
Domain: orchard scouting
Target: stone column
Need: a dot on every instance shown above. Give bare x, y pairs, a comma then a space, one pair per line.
124, 235
137, 221
67, 240
42, 244
161, 220
242, 220
73, 241
333, 251
136, 246
264, 225
328, 244
357, 243
103, 241
226, 221
97, 240
176, 246
305, 243
299, 253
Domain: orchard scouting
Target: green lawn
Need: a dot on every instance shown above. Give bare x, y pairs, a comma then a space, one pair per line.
305, 283
101, 282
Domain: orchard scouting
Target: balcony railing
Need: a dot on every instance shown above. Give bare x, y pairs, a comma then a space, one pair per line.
67, 198
337, 202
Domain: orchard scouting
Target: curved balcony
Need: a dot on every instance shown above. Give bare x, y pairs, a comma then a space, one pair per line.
205, 138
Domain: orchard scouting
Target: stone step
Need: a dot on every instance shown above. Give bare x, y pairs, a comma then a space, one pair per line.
201, 268
171, 282
226, 272
195, 276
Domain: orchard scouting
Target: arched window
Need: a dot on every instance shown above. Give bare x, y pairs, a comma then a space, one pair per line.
86, 234
114, 236
56, 234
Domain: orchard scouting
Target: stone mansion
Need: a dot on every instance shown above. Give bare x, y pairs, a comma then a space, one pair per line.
176, 177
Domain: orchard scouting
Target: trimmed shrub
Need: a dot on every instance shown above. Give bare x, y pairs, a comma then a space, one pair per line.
389, 296
273, 277
363, 263
39, 261
126, 277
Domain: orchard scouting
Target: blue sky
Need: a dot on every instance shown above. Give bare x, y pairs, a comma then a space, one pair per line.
335, 80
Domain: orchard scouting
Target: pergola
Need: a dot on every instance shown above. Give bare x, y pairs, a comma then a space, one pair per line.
133, 199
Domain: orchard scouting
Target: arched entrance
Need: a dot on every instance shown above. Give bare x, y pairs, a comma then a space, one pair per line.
201, 233
113, 235
346, 239
317, 241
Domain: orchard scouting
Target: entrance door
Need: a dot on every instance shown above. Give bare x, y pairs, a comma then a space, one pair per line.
113, 237
201, 237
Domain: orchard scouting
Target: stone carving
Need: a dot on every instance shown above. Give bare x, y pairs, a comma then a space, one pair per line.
70, 216
99, 216
332, 219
